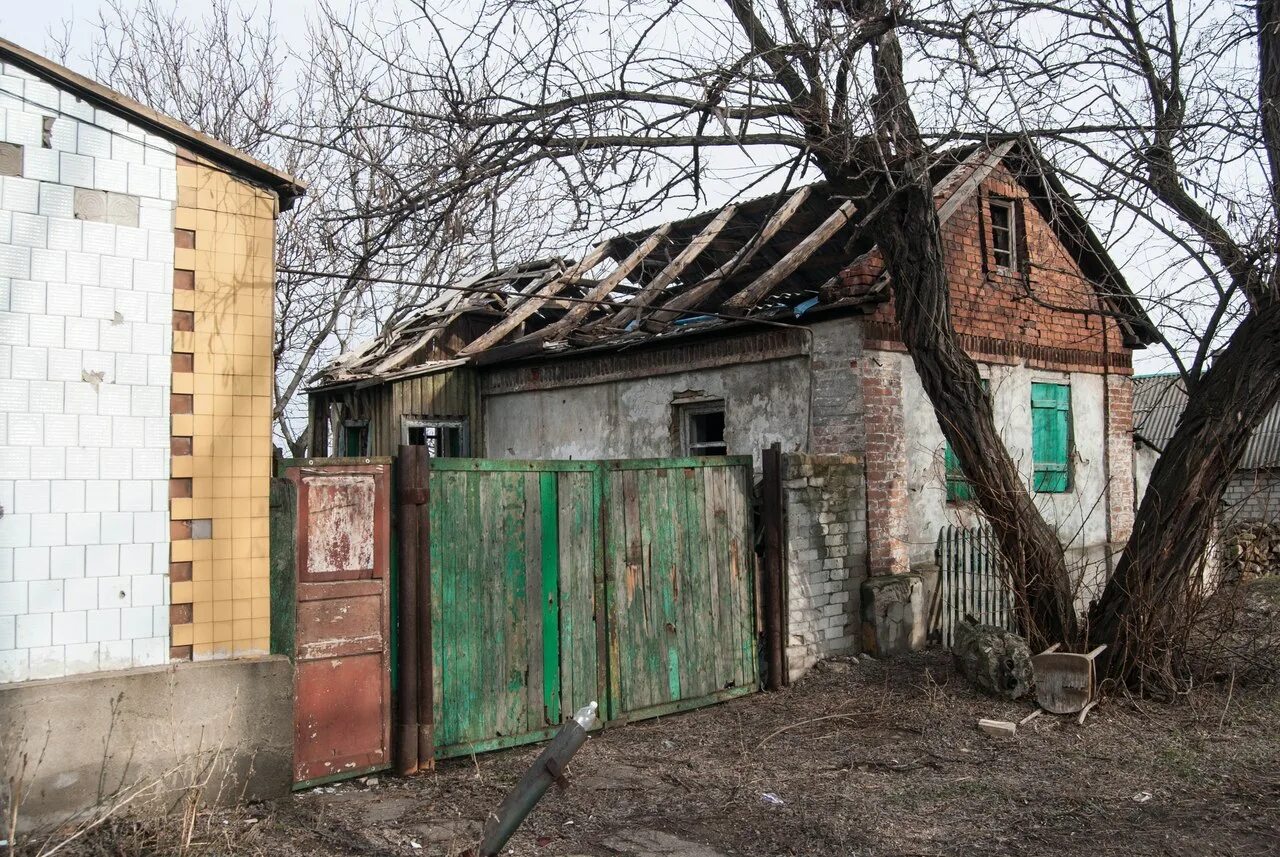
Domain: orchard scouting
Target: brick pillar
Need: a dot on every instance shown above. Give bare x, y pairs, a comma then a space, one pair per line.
888, 502
1120, 457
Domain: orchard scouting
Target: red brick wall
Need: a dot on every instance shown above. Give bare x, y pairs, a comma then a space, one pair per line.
1000, 319
888, 503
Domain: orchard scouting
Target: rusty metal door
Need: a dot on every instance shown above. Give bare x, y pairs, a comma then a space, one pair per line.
342, 656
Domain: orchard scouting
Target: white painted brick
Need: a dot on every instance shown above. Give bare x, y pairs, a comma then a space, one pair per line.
115, 654
126, 432
150, 464
66, 495
47, 662
150, 652
109, 120
15, 261
102, 561
159, 619
14, 597
144, 180
102, 495
82, 268
6, 564
15, 666
6, 494
131, 242
168, 184
125, 149
15, 461
135, 622
150, 526
160, 492
44, 596
94, 142
6, 226
26, 296
146, 401
156, 215
31, 563
99, 238
135, 496
8, 625
12, 84
40, 164
48, 462
99, 361
95, 430
136, 560
83, 528
26, 430
29, 230
73, 106
160, 308
48, 265
43, 94
13, 327
34, 629
76, 170
130, 304
30, 496
82, 658
102, 625
160, 247
113, 400
65, 134
117, 528
56, 201
148, 590
25, 129
46, 396
116, 463
159, 369
15, 396
115, 591
31, 364
20, 194
82, 464
49, 529
6, 371
160, 562
69, 627
81, 593
47, 330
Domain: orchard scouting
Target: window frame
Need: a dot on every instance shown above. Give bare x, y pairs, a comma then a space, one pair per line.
412, 421
1010, 207
686, 411
1051, 470
347, 427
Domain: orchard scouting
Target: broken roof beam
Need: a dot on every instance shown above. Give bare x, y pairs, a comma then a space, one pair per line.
694, 295
536, 294
605, 287
675, 267
795, 257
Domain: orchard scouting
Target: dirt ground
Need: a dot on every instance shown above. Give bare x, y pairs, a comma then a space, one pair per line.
859, 758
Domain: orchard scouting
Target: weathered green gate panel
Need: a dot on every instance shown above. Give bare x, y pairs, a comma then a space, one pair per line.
556, 583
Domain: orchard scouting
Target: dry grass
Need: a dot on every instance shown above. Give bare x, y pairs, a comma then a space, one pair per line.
868, 758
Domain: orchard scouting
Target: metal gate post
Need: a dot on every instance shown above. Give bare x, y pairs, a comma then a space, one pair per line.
771, 511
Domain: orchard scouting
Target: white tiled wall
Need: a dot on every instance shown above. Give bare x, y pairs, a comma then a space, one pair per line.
84, 464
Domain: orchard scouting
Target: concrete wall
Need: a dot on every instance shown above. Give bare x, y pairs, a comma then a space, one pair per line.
826, 555
1080, 514
86, 260
89, 737
635, 418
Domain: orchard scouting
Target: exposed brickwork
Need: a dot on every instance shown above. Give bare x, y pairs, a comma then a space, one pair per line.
1001, 317
1120, 457
888, 501
825, 555
1254, 495
836, 403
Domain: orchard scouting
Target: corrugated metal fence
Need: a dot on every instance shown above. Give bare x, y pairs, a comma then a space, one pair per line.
969, 582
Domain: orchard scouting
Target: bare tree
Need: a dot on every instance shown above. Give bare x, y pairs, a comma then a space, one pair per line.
625, 105
314, 111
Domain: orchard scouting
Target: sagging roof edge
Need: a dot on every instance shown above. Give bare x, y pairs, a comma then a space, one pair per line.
286, 187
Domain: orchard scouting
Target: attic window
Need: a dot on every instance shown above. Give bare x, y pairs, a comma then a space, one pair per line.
1003, 240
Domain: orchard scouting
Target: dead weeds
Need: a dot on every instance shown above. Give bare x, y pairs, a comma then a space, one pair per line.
859, 758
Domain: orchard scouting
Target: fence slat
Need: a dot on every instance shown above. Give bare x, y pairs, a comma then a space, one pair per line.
969, 573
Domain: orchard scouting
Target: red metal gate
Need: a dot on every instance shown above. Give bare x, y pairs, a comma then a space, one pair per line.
342, 656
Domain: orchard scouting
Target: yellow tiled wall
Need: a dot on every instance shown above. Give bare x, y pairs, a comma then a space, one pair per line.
225, 235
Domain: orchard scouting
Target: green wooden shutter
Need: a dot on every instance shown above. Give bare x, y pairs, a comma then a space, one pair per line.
1051, 437
959, 490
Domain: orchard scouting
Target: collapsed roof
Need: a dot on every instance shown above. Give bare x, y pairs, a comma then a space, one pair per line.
765, 259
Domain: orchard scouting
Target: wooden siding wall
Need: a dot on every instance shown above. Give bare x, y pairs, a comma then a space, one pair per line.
451, 394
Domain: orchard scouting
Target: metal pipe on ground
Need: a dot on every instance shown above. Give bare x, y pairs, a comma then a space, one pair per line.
546, 769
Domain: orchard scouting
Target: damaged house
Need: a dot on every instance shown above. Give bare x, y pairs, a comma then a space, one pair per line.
770, 322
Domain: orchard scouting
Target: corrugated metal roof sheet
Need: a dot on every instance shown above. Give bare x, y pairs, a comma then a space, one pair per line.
1158, 401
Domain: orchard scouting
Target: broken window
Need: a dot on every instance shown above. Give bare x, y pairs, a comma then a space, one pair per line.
703, 429
442, 438
1003, 240
355, 438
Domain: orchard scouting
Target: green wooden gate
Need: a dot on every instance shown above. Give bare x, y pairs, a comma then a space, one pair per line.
555, 583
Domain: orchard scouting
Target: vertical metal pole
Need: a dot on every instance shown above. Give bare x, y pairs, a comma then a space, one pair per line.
426, 661
407, 702
774, 608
